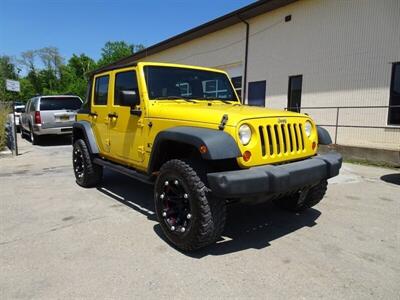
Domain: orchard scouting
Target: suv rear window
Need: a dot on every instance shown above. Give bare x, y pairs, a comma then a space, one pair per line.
59, 103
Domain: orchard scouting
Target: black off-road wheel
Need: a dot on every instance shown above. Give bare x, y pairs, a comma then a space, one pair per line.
87, 173
188, 216
304, 199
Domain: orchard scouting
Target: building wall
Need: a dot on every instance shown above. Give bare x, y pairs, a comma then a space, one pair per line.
343, 49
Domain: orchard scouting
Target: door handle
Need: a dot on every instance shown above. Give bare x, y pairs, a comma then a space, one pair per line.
112, 115
93, 114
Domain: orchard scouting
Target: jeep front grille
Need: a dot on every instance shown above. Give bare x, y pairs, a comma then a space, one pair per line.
281, 139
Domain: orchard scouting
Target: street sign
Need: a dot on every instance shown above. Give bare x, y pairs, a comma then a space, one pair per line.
12, 85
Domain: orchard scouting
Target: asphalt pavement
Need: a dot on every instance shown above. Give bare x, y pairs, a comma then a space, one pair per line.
61, 241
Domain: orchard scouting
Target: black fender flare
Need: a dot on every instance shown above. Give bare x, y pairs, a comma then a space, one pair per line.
86, 129
220, 145
324, 137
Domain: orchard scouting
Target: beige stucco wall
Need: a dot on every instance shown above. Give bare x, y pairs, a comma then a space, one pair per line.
343, 49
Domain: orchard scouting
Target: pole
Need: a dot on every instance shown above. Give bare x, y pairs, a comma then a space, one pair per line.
15, 130
337, 123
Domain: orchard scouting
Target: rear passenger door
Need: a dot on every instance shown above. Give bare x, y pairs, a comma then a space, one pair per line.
125, 128
100, 110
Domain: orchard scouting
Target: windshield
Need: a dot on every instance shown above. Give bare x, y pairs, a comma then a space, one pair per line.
59, 103
175, 83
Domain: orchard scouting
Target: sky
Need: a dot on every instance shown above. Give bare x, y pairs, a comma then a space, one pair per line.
84, 26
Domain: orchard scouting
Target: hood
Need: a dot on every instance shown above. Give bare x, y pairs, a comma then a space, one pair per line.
212, 112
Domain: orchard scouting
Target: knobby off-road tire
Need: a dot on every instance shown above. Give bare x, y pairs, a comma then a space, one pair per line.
294, 203
87, 173
188, 216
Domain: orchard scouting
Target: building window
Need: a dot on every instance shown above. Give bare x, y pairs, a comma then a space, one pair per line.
101, 90
215, 88
256, 95
124, 81
237, 84
294, 93
394, 101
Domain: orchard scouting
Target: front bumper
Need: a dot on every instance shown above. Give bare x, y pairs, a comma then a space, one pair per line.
275, 179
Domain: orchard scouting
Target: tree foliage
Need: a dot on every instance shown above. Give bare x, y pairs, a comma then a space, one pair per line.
46, 72
113, 51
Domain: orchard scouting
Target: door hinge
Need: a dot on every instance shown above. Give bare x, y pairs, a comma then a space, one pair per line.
140, 123
141, 150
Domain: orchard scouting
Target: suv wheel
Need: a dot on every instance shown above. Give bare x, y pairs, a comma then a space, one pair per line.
188, 216
305, 199
34, 137
87, 173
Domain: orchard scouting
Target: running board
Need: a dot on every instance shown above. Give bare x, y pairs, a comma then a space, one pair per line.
123, 170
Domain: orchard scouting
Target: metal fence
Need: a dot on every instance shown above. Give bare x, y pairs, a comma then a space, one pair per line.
358, 117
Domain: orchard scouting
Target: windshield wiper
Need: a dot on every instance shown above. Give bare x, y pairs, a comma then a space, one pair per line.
174, 98
216, 99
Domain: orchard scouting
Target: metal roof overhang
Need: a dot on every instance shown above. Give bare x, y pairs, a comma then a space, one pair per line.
244, 13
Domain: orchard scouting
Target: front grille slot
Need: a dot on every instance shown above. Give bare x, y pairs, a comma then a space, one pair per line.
281, 139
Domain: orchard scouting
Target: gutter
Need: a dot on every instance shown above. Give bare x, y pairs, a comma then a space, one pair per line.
246, 55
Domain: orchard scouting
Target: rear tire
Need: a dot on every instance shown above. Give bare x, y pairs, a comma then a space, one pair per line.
35, 139
189, 218
295, 202
87, 173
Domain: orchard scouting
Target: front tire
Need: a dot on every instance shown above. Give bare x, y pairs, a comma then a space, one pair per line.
188, 216
87, 173
299, 202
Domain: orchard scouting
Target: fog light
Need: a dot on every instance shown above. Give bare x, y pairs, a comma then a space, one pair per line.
246, 155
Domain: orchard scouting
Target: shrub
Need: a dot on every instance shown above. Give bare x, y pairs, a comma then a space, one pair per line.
5, 109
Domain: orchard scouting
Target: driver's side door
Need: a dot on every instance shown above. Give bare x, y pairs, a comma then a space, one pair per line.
125, 128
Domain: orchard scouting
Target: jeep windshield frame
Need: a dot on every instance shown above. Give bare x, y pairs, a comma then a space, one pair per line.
176, 83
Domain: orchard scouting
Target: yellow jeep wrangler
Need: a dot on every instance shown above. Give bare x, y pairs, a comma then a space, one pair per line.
183, 129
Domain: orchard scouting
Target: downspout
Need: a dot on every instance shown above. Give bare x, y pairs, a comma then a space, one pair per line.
246, 54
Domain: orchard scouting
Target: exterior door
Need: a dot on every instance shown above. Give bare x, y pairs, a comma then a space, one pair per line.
99, 112
125, 128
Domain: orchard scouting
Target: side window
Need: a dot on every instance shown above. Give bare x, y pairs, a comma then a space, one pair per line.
124, 81
101, 90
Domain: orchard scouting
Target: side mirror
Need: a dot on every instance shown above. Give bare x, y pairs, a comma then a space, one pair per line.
129, 98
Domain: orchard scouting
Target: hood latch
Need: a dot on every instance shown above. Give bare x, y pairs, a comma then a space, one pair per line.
224, 120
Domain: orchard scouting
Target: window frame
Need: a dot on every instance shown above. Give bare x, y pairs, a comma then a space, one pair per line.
94, 94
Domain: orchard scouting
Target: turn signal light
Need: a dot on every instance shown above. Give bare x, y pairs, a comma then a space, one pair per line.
38, 119
314, 144
203, 149
246, 155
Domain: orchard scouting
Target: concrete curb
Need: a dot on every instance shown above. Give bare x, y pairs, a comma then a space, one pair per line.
375, 156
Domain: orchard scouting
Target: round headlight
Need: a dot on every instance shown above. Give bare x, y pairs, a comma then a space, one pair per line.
245, 134
308, 128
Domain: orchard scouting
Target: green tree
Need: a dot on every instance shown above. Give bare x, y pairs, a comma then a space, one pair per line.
113, 51
8, 70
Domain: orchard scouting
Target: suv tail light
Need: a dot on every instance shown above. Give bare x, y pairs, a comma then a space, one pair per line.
38, 119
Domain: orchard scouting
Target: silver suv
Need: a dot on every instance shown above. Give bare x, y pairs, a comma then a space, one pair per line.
45, 115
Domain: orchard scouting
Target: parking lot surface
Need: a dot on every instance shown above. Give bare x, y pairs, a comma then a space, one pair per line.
58, 240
